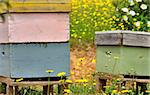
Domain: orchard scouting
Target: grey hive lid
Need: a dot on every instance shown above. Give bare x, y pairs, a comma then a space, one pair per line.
120, 37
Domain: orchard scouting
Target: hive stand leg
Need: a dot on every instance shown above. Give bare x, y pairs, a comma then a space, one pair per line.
16, 90
100, 84
51, 90
137, 88
143, 88
98, 88
9, 90
45, 90
60, 89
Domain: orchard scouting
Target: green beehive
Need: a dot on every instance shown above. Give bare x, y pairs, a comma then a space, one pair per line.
123, 52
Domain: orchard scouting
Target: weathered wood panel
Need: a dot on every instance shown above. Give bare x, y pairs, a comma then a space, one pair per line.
41, 1
128, 38
123, 60
36, 27
4, 31
40, 6
108, 38
32, 60
4, 60
136, 39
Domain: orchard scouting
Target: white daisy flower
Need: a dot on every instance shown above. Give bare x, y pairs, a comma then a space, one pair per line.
137, 24
124, 9
143, 6
132, 13
138, 0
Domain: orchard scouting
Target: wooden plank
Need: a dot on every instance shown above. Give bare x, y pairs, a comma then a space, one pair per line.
40, 7
40, 1
108, 38
128, 38
138, 80
5, 80
136, 39
3, 7
38, 27
34, 83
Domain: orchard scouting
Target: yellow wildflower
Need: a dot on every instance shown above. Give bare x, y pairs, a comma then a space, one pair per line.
67, 91
85, 80
81, 81
125, 91
113, 28
61, 81
18, 80
94, 83
49, 71
114, 17
81, 59
84, 84
61, 74
114, 91
78, 64
147, 91
93, 61
69, 81
72, 73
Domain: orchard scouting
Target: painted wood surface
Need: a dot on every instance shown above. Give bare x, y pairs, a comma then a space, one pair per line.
32, 60
123, 52
109, 38
138, 39
40, 6
128, 38
4, 32
35, 27
4, 60
40, 1
123, 60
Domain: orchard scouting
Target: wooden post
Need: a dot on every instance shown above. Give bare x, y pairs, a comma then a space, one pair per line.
45, 90
11, 90
100, 84
16, 90
60, 89
51, 89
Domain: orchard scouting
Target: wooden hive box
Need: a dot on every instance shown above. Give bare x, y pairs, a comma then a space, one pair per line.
35, 38
123, 52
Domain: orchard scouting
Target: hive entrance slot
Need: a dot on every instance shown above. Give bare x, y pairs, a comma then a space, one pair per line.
3, 53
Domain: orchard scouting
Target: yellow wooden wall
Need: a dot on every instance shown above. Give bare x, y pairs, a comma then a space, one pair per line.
39, 6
